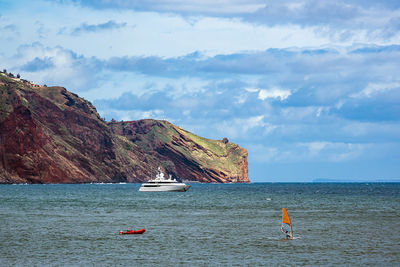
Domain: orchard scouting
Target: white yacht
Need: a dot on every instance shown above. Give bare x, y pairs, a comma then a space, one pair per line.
160, 184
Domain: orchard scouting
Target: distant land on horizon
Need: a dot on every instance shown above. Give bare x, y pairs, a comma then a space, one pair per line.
323, 180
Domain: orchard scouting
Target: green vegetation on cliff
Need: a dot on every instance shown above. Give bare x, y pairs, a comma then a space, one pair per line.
205, 160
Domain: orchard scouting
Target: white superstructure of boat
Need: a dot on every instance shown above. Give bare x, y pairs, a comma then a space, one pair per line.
160, 184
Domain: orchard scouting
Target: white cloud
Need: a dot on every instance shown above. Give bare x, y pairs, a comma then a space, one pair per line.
199, 7
316, 147
237, 128
207, 6
53, 66
151, 33
269, 128
253, 122
240, 99
274, 93
130, 115
376, 88
252, 90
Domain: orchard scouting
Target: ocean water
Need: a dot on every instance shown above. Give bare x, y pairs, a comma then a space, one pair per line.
209, 225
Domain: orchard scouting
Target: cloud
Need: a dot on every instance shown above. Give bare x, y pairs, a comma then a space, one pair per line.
87, 28
172, 6
38, 64
304, 66
8, 32
240, 126
178, 33
309, 12
147, 65
378, 109
325, 83
129, 115
212, 101
10, 27
376, 88
56, 66
342, 19
273, 93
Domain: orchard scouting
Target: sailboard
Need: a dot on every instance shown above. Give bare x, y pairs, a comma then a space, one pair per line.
286, 224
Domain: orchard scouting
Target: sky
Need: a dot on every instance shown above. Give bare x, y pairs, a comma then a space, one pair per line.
310, 88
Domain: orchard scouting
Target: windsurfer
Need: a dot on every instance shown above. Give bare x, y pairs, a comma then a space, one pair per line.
287, 234
286, 223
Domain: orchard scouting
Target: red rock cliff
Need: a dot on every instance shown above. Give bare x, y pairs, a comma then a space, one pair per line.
49, 135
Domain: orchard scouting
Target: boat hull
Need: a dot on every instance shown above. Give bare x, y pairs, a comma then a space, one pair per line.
165, 188
132, 232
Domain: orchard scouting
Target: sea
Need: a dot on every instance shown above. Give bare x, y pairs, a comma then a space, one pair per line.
334, 224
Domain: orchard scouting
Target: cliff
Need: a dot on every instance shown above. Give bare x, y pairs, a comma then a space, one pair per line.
50, 135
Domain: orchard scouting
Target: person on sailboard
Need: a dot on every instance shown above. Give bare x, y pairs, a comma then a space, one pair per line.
286, 232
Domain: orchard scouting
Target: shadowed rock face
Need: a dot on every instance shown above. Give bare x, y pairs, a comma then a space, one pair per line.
50, 135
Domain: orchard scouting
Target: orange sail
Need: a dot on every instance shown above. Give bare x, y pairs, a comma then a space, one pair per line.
285, 217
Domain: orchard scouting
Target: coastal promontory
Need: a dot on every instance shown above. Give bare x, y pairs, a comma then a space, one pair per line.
50, 135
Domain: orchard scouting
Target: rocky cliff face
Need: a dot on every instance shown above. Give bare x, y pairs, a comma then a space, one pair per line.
50, 135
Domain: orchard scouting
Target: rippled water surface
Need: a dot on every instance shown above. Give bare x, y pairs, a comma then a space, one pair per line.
210, 225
